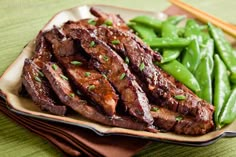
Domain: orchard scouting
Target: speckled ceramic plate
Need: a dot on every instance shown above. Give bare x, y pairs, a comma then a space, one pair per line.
10, 83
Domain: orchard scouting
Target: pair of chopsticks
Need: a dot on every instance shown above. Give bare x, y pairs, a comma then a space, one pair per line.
205, 17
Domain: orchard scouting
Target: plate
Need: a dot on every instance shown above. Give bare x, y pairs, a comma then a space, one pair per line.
10, 84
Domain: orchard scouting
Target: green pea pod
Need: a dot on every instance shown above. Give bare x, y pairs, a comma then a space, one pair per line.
228, 114
223, 47
221, 88
169, 30
175, 19
143, 31
233, 78
192, 57
193, 31
148, 21
203, 76
181, 31
181, 73
205, 37
167, 42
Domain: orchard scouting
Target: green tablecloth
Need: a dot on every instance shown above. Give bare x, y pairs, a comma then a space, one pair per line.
21, 20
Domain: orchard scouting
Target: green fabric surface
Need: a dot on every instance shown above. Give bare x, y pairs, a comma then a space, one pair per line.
20, 22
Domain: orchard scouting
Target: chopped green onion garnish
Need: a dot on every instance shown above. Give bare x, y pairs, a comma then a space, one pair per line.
78, 92
104, 76
126, 60
72, 95
54, 66
154, 109
180, 97
37, 79
105, 58
76, 62
87, 74
92, 44
41, 74
141, 66
64, 77
178, 118
108, 23
91, 22
122, 76
91, 87
115, 42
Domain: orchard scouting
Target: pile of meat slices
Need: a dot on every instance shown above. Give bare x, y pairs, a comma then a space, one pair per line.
100, 69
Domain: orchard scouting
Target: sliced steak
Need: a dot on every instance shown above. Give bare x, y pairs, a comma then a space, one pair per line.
141, 61
109, 63
65, 93
39, 90
172, 121
94, 85
109, 19
84, 76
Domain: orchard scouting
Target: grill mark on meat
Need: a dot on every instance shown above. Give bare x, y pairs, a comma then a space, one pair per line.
167, 120
131, 93
39, 90
159, 86
64, 91
84, 76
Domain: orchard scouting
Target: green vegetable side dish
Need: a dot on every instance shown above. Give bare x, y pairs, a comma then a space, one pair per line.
169, 30
228, 114
167, 42
224, 48
181, 73
148, 21
221, 88
199, 56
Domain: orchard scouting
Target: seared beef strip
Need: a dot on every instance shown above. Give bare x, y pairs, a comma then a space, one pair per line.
83, 75
172, 121
158, 85
108, 19
37, 87
111, 64
65, 93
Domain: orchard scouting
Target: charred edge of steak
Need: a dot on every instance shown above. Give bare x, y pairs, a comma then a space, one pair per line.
39, 90
83, 75
157, 83
172, 121
64, 91
118, 74
115, 20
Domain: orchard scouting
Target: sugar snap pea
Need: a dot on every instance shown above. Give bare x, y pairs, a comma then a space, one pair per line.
221, 88
224, 48
228, 114
181, 73
167, 42
192, 56
203, 76
175, 19
143, 31
148, 21
169, 30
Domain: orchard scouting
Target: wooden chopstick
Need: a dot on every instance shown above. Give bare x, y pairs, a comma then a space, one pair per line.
205, 17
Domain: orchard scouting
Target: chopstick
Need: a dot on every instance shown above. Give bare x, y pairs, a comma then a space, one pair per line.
205, 17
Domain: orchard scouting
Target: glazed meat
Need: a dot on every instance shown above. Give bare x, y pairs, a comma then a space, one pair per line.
155, 79
39, 90
90, 82
118, 74
63, 89
173, 121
